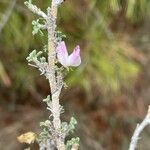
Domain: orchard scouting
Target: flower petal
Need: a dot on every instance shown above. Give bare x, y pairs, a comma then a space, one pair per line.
74, 58
62, 53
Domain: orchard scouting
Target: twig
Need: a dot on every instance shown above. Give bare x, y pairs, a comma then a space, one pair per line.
35, 10
138, 130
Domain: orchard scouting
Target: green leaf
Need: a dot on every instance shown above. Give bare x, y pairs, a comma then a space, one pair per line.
71, 142
72, 124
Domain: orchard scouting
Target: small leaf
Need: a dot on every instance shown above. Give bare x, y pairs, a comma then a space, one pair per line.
43, 59
64, 126
73, 141
72, 124
37, 27
47, 99
46, 123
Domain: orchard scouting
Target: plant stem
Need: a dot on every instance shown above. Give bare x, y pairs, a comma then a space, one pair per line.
55, 90
138, 130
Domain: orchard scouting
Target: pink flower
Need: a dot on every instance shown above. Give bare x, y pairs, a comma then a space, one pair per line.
66, 60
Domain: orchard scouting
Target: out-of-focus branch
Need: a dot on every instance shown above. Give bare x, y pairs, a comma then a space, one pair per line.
7, 15
138, 130
4, 76
101, 21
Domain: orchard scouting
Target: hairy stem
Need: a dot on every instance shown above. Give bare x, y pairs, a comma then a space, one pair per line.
55, 90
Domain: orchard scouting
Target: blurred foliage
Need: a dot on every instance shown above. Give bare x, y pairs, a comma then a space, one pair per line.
86, 22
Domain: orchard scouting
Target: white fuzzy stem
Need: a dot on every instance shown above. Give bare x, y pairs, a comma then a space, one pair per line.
54, 76
55, 90
35, 9
138, 130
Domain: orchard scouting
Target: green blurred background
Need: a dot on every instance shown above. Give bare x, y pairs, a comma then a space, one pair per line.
108, 94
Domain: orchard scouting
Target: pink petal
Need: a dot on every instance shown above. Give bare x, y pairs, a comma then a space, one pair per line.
74, 58
62, 53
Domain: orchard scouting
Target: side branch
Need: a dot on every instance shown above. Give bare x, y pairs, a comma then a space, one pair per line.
35, 9
138, 130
